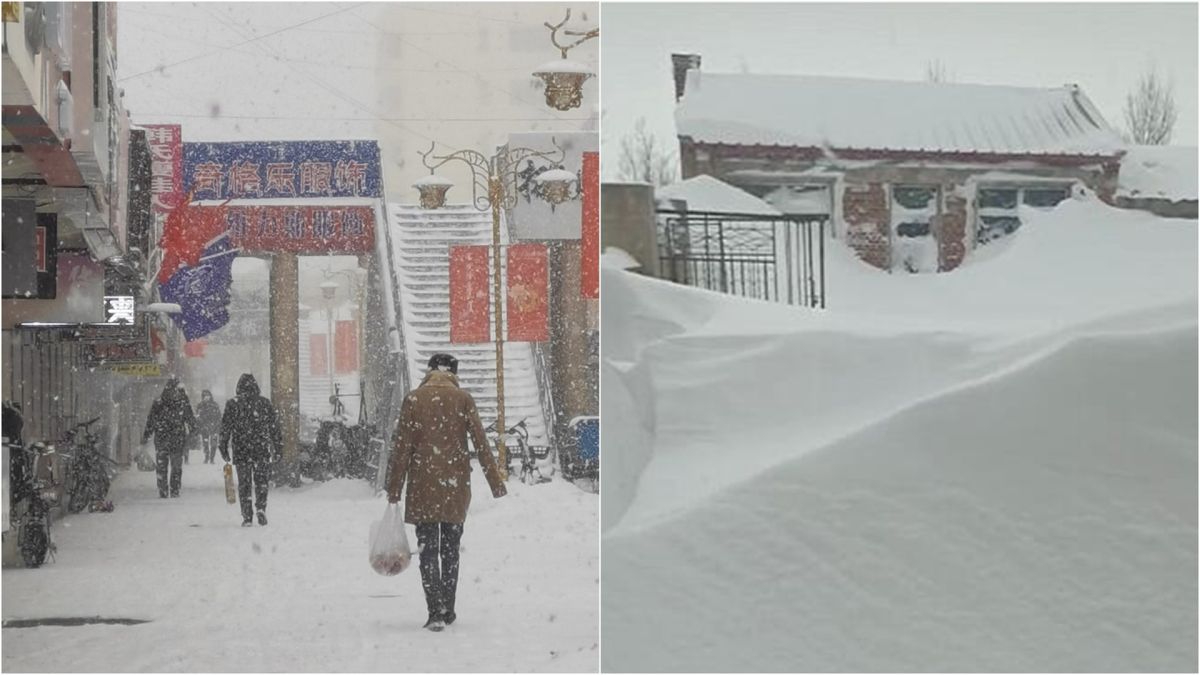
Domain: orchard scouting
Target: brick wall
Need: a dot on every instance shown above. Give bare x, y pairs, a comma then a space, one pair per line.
867, 218
951, 230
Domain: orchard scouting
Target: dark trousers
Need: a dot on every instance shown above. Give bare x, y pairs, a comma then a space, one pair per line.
438, 543
171, 457
209, 443
253, 475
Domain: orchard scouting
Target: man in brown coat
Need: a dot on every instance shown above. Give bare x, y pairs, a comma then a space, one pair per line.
430, 451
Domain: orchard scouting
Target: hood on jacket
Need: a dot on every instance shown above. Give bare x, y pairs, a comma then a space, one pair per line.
206, 395
247, 386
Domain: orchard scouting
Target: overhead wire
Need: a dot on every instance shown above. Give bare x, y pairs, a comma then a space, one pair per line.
479, 78
337, 93
363, 119
171, 36
254, 40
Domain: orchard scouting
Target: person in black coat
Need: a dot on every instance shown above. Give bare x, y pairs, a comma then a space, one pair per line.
251, 425
170, 422
209, 415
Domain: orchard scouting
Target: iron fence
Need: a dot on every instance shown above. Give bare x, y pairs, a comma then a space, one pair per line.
776, 258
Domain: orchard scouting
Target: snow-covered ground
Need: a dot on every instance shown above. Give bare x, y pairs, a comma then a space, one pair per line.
298, 595
992, 469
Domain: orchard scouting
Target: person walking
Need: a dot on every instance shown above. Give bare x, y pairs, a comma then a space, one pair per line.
251, 425
170, 422
191, 437
430, 454
209, 415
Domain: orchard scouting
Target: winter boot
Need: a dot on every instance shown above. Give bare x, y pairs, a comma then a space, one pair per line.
262, 517
448, 617
434, 623
247, 523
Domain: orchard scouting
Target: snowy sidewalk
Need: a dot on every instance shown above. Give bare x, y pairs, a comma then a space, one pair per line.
298, 595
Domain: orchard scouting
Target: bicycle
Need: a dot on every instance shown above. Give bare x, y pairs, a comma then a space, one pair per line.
90, 476
531, 457
34, 494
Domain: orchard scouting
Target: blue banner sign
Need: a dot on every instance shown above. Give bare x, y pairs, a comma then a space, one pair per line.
282, 169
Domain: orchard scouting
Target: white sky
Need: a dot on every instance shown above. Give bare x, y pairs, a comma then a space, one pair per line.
1102, 47
402, 73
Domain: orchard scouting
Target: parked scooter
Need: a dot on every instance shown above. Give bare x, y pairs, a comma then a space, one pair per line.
340, 450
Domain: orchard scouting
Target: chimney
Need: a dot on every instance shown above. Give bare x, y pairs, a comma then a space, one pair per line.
682, 63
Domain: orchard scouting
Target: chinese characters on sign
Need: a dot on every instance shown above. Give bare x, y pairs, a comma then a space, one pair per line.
166, 166
118, 309
273, 170
301, 229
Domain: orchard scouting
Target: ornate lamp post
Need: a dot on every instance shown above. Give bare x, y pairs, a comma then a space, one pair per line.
564, 78
493, 187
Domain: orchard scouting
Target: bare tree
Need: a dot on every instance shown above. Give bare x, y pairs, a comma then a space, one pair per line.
1150, 111
935, 71
643, 159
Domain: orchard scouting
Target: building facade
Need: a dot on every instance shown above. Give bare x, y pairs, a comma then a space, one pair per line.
66, 186
912, 175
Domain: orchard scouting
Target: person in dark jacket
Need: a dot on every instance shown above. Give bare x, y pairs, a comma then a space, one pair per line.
251, 425
209, 415
432, 462
170, 422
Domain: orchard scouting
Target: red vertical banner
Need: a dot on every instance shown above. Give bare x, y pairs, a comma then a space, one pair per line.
589, 245
470, 317
345, 347
318, 359
528, 286
166, 166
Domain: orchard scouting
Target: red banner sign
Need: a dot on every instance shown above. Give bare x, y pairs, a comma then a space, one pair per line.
301, 229
318, 356
195, 348
166, 166
589, 245
528, 285
469, 315
345, 347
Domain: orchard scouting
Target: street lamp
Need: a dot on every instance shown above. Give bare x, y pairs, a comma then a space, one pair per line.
493, 187
329, 291
564, 78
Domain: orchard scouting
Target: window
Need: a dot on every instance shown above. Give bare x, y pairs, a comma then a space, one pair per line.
913, 209
996, 208
914, 197
1044, 197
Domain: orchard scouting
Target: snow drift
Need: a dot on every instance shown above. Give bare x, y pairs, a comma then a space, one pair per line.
993, 469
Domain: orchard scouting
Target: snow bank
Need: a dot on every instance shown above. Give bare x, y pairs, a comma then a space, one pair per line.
705, 193
992, 469
1159, 171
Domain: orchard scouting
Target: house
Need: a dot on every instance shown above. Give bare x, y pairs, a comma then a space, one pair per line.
1161, 179
912, 175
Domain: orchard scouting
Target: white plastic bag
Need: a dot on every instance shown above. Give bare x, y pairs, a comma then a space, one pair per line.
390, 554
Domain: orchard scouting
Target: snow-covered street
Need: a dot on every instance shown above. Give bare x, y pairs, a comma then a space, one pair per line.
298, 595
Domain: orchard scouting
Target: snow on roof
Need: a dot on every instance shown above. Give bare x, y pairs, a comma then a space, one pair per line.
847, 113
705, 193
1159, 171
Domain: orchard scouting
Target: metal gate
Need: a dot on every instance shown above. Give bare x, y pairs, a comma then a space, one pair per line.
776, 258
